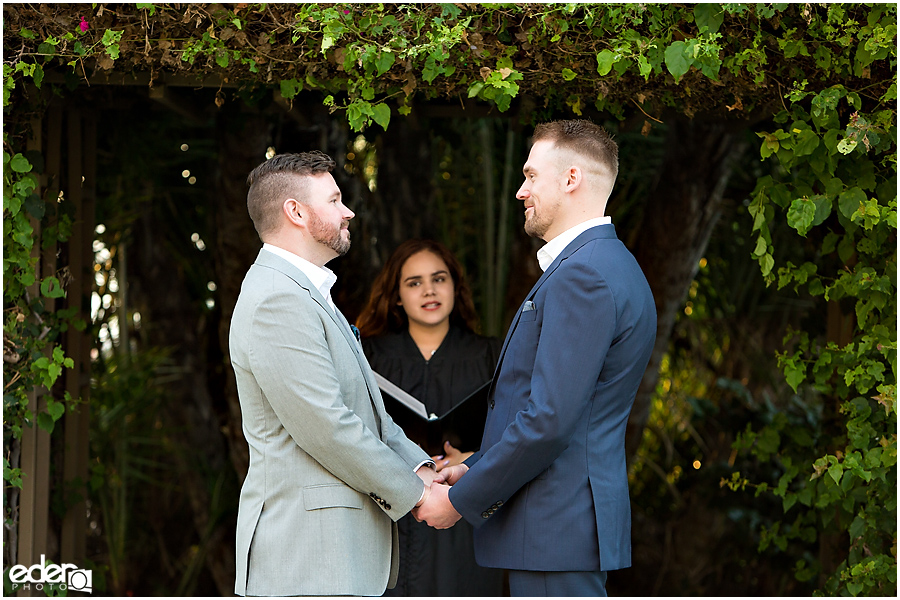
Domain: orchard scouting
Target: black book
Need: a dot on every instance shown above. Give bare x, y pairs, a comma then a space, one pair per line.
462, 425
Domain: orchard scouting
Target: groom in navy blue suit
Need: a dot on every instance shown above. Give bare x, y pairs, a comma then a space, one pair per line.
548, 490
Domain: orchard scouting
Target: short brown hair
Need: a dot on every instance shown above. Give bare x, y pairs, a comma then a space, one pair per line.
382, 314
583, 138
278, 179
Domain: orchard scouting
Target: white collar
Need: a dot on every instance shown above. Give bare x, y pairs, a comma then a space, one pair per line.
549, 251
321, 277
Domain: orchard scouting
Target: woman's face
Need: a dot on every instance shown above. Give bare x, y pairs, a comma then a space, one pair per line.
426, 289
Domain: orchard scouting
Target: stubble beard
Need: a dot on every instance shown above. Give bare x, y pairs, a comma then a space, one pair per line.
537, 224
535, 227
328, 236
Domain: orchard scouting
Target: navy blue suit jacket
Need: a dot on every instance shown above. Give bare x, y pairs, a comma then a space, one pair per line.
548, 490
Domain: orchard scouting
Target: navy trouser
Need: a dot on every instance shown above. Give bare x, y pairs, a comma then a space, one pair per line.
557, 583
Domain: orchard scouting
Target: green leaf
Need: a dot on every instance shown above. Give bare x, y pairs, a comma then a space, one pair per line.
850, 201
836, 471
801, 214
381, 113
678, 62
45, 422
20, 164
222, 58
568, 74
846, 146
50, 288
111, 37
710, 16
56, 409
384, 62
761, 247
290, 88
766, 263
823, 209
795, 373
805, 141
605, 60
644, 66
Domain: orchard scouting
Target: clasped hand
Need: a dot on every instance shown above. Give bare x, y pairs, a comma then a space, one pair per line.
435, 507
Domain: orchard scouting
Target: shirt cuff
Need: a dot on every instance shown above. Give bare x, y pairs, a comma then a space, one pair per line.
428, 462
431, 464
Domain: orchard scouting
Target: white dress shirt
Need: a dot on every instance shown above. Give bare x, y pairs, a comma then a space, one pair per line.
321, 277
549, 251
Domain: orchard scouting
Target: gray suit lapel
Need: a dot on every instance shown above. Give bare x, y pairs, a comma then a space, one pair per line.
268, 259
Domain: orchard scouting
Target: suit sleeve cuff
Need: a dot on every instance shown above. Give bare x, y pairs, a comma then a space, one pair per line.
429, 463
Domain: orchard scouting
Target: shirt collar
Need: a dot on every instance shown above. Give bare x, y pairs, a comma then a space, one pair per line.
321, 277
549, 251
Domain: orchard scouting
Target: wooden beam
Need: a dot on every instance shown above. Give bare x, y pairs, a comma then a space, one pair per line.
34, 501
183, 106
142, 78
82, 184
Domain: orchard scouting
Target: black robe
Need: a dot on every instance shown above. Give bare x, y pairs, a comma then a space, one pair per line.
432, 562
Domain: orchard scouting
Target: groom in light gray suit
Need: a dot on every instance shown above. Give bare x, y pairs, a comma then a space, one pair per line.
330, 472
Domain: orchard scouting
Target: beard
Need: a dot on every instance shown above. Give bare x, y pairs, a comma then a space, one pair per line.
537, 224
328, 235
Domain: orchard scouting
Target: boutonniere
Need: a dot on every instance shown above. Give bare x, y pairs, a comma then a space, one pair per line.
355, 332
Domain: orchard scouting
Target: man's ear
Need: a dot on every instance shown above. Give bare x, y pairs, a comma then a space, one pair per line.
574, 178
295, 212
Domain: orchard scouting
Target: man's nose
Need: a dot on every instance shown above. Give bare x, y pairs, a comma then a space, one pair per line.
348, 214
523, 193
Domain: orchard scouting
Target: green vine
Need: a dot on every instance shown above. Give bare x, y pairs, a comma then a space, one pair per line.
31, 358
837, 149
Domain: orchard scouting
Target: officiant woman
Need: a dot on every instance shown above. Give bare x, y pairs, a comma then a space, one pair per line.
418, 330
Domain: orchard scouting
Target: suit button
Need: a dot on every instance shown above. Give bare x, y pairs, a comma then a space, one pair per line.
485, 515
387, 507
499, 503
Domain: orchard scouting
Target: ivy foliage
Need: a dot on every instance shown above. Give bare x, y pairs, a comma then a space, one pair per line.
32, 358
372, 59
836, 186
822, 75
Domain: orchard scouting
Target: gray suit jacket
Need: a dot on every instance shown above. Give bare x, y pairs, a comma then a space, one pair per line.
330, 472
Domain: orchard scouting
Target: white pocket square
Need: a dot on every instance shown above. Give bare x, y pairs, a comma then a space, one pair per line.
529, 305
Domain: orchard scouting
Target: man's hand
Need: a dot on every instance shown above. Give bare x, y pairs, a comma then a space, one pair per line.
452, 456
426, 474
450, 475
436, 509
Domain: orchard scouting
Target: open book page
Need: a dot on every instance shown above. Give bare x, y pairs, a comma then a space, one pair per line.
409, 401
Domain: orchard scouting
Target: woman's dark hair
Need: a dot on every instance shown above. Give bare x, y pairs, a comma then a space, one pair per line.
382, 314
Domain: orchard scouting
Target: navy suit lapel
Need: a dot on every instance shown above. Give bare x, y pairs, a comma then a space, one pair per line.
598, 232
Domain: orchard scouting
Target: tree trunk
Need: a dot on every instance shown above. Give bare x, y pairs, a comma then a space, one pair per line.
679, 215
